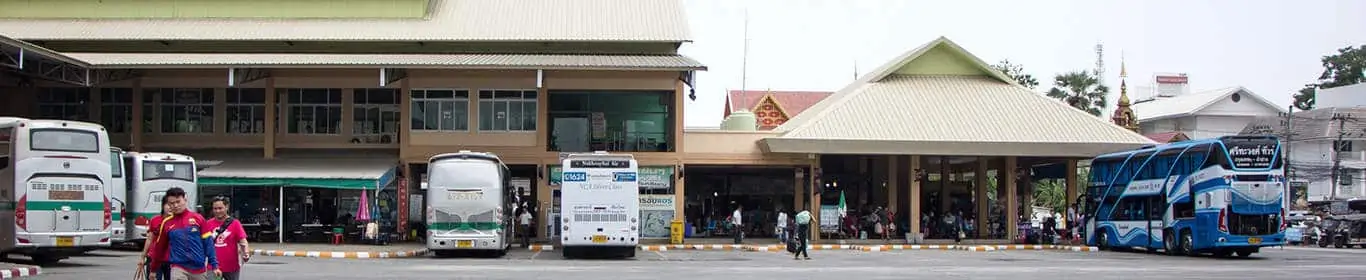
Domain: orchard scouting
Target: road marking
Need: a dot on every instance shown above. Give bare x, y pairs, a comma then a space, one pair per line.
661, 255
537, 254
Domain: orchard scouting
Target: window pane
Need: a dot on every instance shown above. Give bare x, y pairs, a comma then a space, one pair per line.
529, 116
635, 120
448, 116
501, 117
486, 115
462, 116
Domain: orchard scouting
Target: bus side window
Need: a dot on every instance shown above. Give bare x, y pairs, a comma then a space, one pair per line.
4, 162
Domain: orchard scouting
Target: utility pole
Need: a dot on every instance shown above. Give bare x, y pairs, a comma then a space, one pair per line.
1337, 147
1289, 125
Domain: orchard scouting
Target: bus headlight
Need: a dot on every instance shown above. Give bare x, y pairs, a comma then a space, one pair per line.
566, 228
633, 228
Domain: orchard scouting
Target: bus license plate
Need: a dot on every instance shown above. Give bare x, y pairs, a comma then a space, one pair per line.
66, 241
464, 243
599, 239
1254, 240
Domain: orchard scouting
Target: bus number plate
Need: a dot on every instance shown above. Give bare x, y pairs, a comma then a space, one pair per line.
66, 195
599, 239
66, 241
1254, 240
464, 243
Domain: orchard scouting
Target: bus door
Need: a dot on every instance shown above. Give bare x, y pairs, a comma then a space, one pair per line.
1157, 208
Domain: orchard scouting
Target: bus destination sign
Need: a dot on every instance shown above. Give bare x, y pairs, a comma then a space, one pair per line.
599, 163
1252, 155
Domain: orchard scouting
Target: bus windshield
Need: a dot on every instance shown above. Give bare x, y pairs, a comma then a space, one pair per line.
463, 174
64, 140
155, 170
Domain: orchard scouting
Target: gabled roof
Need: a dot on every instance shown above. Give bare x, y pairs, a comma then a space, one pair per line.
1167, 137
450, 20
1191, 104
1316, 124
939, 99
793, 102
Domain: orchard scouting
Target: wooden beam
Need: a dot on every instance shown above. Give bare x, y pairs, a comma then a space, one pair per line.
983, 205
1070, 186
271, 118
1012, 208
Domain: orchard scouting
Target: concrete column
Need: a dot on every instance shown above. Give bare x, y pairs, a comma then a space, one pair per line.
983, 204
272, 115
945, 174
1027, 191
680, 189
892, 182
138, 117
1012, 208
913, 194
813, 185
544, 197
1070, 186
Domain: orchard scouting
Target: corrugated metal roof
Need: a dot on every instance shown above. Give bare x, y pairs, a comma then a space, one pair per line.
1189, 104
1317, 124
473, 61
888, 113
450, 20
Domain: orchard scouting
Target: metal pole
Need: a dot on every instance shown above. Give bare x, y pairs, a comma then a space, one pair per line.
280, 221
1337, 147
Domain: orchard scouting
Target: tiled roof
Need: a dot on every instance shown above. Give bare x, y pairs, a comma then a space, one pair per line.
475, 61
894, 111
450, 20
793, 102
1166, 137
1314, 124
1190, 104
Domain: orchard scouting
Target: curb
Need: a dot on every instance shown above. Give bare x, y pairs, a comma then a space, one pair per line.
341, 255
20, 272
540, 248
880, 248
1048, 247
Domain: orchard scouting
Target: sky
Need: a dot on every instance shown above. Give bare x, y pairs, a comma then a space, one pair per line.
1270, 47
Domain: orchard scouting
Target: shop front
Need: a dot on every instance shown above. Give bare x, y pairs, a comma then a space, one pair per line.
307, 200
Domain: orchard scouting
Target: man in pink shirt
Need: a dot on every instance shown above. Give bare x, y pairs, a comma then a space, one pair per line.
230, 240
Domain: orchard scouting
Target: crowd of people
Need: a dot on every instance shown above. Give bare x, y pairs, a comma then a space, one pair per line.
183, 245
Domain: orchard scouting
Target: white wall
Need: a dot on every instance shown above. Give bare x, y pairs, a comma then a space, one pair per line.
1216, 126
1343, 96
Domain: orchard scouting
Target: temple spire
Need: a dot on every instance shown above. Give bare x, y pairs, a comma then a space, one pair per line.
1124, 116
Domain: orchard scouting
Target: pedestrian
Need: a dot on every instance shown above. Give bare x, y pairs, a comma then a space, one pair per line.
182, 241
230, 240
735, 221
782, 225
525, 220
803, 221
148, 267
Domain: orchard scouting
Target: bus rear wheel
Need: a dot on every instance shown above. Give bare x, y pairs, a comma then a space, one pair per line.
1103, 241
1188, 243
1170, 245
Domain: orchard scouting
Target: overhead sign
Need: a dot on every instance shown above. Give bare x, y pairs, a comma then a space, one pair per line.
1254, 155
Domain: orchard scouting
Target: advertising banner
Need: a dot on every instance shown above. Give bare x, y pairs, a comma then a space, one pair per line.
656, 211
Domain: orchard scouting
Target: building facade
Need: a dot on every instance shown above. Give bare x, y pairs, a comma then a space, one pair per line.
1311, 152
302, 109
1205, 114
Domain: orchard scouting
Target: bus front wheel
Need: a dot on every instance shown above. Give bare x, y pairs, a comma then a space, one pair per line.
1244, 253
1169, 244
1103, 241
1188, 243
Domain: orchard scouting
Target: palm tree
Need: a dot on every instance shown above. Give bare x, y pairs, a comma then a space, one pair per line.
1081, 90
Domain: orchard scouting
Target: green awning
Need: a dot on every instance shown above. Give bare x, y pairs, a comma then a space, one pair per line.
353, 174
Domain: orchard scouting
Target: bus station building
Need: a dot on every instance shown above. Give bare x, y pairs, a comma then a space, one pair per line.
314, 104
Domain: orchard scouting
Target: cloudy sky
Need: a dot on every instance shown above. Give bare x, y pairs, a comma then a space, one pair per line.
1272, 47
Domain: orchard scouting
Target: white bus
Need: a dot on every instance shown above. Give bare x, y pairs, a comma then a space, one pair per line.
471, 204
599, 204
118, 198
58, 171
148, 176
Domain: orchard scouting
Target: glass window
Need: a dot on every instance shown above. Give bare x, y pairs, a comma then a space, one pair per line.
149, 112
116, 109
187, 110
507, 110
314, 111
115, 164
629, 121
153, 170
67, 103
375, 112
440, 109
64, 140
246, 111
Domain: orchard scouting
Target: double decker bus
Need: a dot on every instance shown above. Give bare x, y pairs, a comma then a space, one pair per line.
148, 176
471, 205
599, 205
1219, 196
54, 174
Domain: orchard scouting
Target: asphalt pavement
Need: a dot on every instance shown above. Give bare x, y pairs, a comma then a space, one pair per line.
1273, 263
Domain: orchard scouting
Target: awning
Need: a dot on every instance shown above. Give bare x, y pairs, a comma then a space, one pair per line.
354, 174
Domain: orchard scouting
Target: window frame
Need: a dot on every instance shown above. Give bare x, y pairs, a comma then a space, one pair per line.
357, 117
163, 105
507, 122
455, 92
112, 106
80, 104
668, 139
231, 108
291, 124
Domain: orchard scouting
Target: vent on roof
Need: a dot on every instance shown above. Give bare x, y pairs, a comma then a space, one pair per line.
741, 120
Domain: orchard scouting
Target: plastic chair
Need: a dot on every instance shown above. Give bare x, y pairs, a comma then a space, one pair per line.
337, 234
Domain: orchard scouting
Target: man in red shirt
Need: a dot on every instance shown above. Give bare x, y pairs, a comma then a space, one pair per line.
230, 239
190, 255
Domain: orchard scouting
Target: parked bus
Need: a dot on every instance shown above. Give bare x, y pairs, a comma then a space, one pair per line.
471, 204
1219, 196
118, 199
58, 171
148, 177
599, 204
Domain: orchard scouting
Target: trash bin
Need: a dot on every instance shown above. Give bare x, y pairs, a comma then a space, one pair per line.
676, 232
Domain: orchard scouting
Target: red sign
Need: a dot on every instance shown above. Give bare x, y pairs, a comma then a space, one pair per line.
1172, 79
403, 206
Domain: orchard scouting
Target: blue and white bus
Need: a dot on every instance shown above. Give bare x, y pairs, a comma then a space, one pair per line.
1219, 196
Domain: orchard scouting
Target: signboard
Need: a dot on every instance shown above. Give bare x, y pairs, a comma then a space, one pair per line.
403, 205
650, 177
830, 218
656, 212
1252, 154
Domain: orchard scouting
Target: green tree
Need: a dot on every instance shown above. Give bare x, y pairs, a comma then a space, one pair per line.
1347, 67
1080, 89
1016, 71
